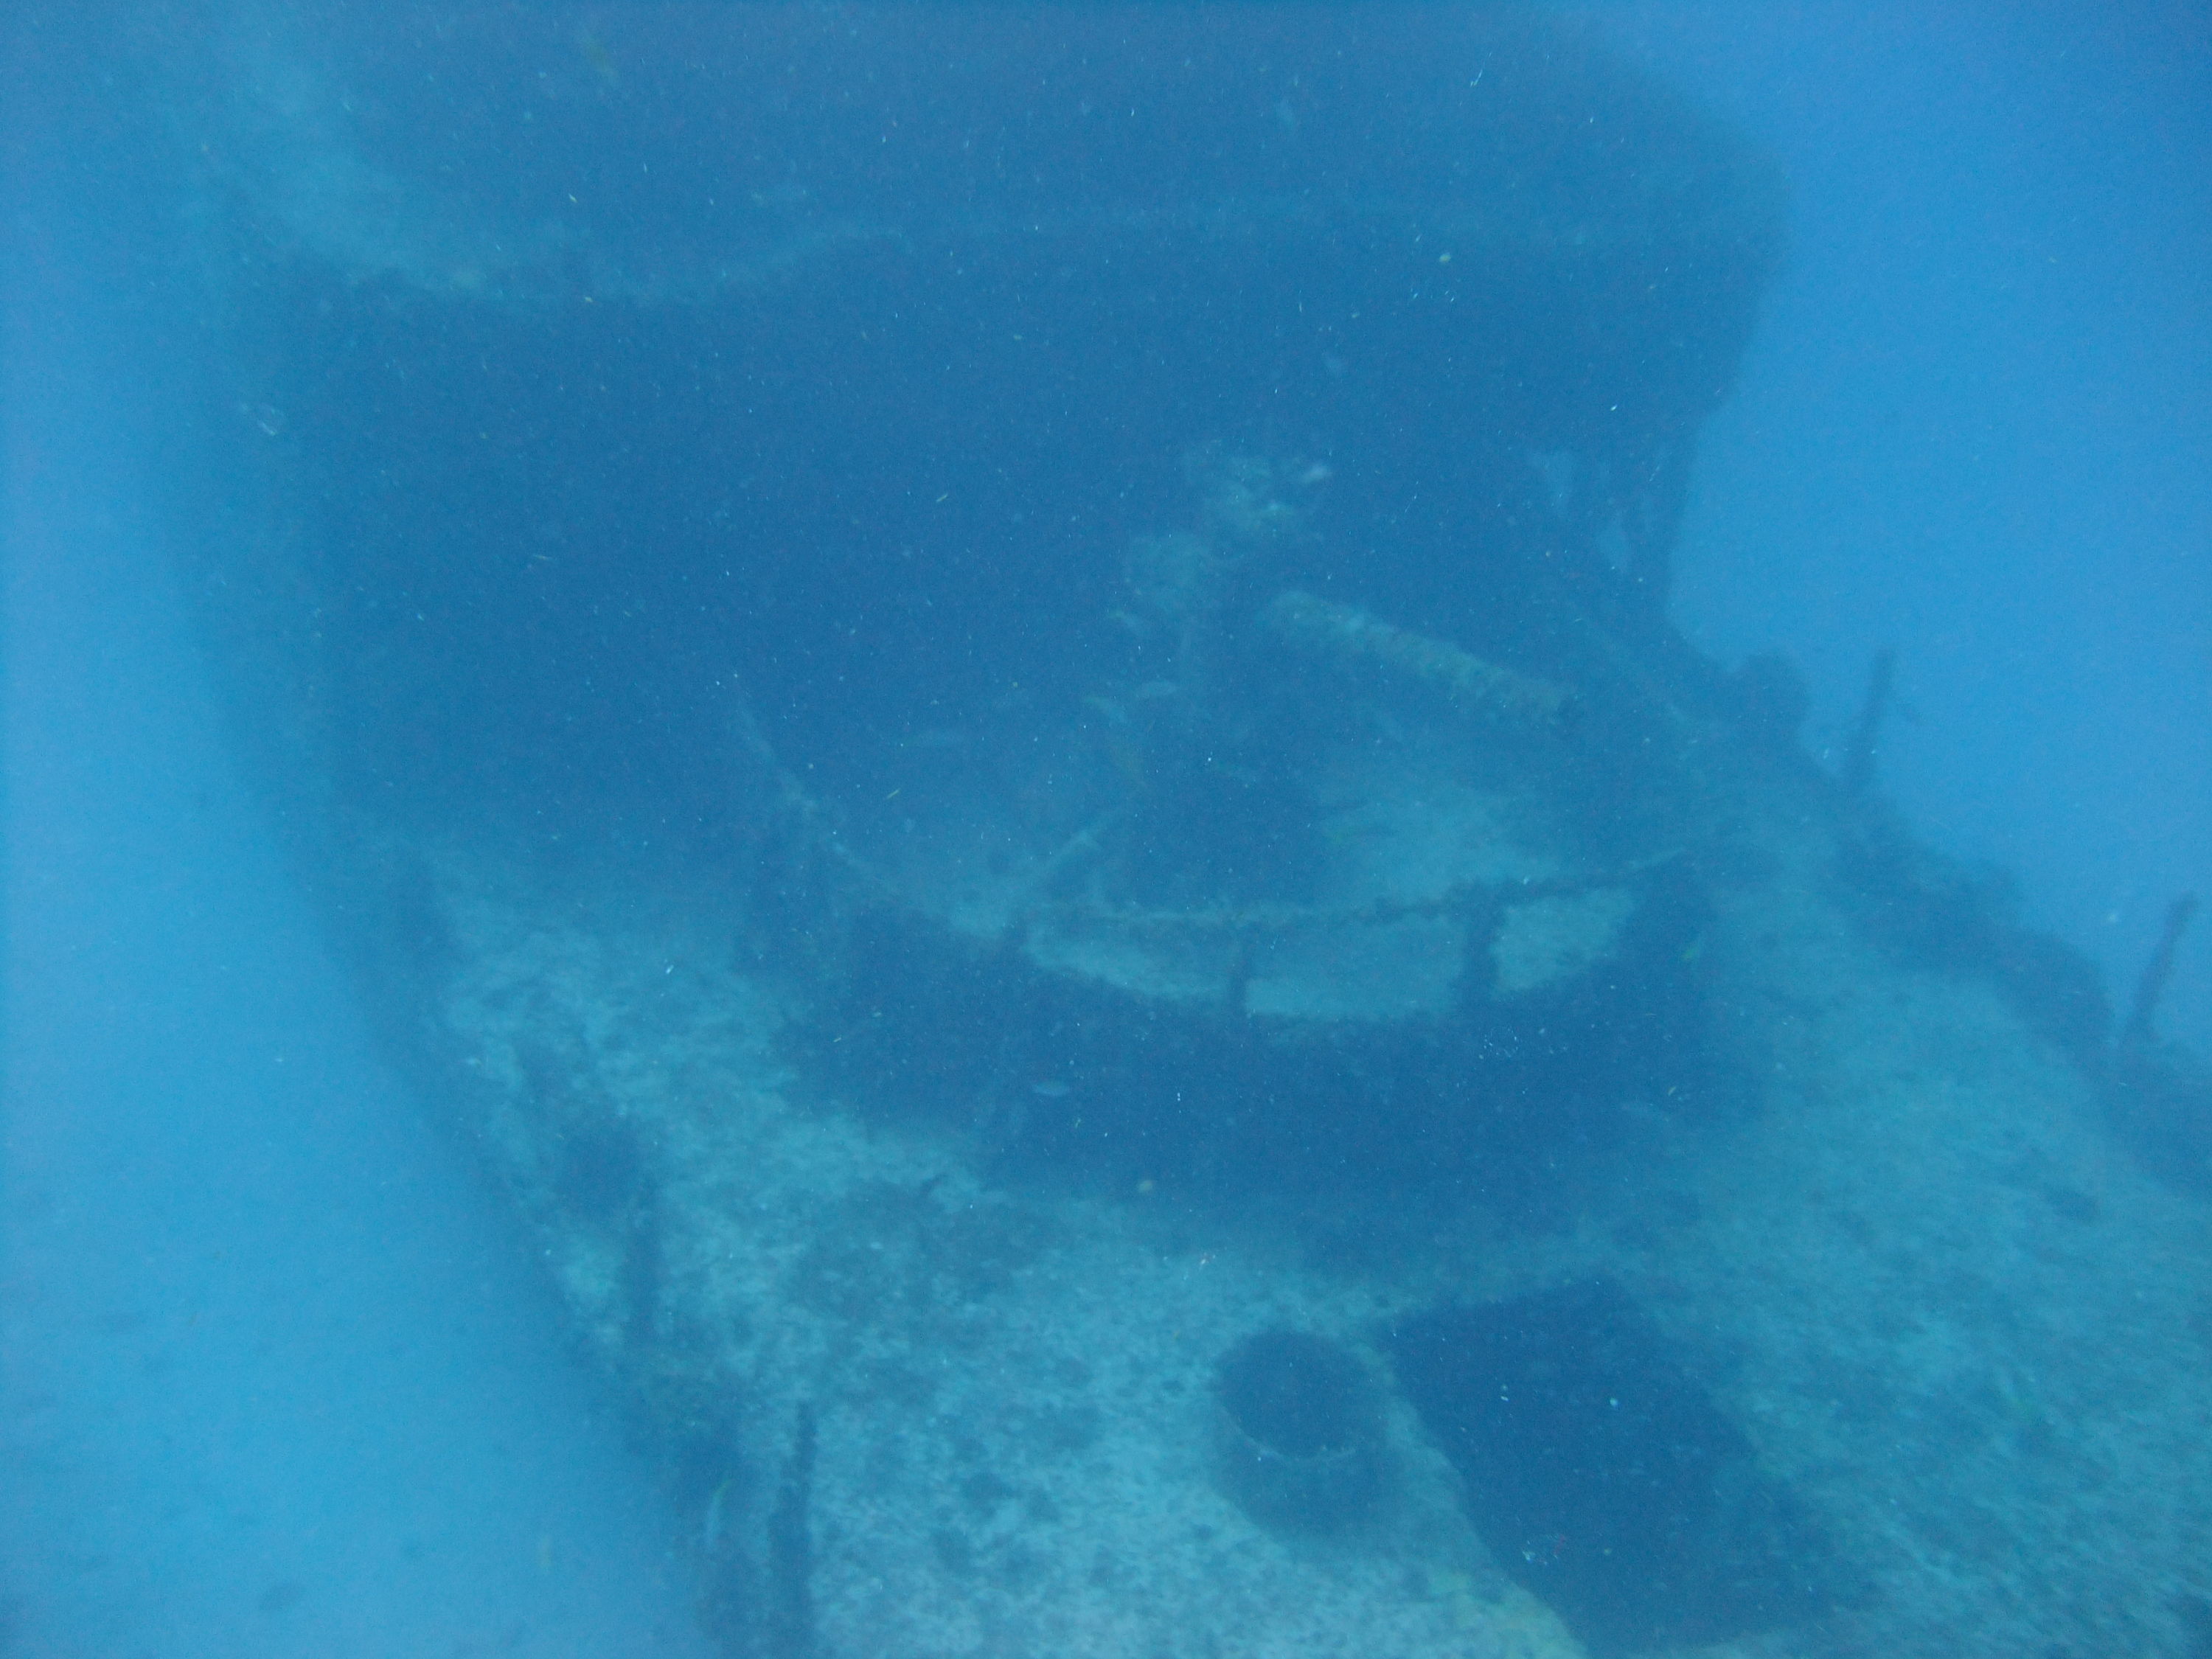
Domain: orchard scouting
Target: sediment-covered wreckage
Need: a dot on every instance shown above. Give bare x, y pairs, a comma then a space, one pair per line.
987, 692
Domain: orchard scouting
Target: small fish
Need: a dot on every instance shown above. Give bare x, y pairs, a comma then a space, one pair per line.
594, 52
1050, 1088
1351, 832
1129, 619
711, 1532
941, 738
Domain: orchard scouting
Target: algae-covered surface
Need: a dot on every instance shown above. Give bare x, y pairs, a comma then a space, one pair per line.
1963, 1331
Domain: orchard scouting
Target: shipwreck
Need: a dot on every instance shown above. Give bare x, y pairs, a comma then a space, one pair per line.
987, 695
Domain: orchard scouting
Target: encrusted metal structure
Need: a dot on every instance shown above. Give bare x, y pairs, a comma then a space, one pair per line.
986, 692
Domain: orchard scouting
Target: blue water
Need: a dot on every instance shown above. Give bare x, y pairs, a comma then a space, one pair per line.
1976, 428
276, 1376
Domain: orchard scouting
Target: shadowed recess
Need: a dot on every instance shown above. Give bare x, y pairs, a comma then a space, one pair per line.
1602, 1478
1298, 1430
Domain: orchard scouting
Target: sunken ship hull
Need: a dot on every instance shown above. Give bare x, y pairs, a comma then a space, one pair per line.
987, 696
